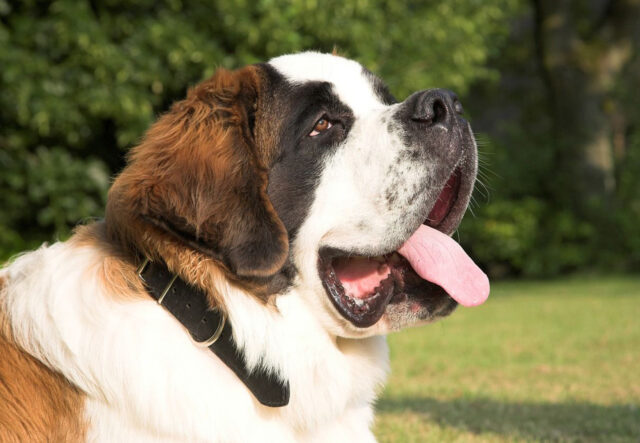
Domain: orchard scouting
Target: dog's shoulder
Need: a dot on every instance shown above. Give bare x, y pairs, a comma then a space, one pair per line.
36, 403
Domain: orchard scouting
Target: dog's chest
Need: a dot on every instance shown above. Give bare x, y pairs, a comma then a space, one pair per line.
145, 379
198, 398
327, 403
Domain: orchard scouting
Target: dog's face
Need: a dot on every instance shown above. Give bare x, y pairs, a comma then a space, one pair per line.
306, 172
357, 176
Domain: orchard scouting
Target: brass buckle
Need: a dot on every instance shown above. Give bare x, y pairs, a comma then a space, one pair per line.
141, 269
223, 319
216, 335
166, 289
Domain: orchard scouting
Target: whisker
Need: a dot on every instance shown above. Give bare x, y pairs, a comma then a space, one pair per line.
484, 178
473, 214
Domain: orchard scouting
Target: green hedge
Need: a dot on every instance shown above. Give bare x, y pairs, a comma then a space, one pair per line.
80, 81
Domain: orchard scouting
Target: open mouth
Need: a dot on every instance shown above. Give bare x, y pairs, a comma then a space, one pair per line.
430, 271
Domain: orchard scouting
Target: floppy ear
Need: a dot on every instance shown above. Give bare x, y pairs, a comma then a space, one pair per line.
199, 176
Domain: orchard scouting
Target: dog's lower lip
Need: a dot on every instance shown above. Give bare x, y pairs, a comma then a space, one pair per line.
362, 312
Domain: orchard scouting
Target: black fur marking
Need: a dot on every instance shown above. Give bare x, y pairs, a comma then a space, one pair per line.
410, 154
390, 196
294, 176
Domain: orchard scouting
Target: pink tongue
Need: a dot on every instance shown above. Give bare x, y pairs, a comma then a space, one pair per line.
436, 257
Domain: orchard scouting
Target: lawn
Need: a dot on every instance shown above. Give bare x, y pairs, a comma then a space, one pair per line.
540, 361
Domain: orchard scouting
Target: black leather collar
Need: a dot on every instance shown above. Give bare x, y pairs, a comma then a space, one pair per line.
210, 328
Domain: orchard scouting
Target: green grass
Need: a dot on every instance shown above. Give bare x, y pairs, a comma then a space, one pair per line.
540, 361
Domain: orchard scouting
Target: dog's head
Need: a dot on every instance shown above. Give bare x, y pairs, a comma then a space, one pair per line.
305, 172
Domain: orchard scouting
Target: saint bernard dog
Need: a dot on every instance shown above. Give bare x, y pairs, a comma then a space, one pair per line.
265, 235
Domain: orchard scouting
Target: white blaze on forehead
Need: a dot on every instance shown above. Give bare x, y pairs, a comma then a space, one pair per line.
349, 81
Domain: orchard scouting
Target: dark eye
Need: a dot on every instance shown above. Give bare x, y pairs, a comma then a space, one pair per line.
321, 125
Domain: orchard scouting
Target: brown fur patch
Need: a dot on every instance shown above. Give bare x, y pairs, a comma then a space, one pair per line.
117, 268
194, 191
36, 404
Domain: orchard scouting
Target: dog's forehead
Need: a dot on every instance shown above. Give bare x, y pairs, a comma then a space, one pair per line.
350, 80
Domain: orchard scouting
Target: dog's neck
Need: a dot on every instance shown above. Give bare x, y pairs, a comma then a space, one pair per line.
210, 329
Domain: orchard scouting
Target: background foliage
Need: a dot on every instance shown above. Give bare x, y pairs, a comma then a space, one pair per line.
82, 80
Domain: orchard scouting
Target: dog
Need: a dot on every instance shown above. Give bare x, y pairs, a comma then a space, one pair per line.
264, 236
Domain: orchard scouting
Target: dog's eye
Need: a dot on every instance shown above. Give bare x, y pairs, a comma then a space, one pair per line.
321, 125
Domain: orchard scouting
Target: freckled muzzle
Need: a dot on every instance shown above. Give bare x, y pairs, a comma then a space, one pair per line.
430, 273
435, 134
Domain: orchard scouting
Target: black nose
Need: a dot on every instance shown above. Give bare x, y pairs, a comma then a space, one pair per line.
436, 106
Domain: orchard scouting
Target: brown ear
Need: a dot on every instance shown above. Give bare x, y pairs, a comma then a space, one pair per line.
199, 176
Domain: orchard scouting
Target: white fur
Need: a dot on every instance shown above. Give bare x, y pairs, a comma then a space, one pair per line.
345, 75
146, 381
